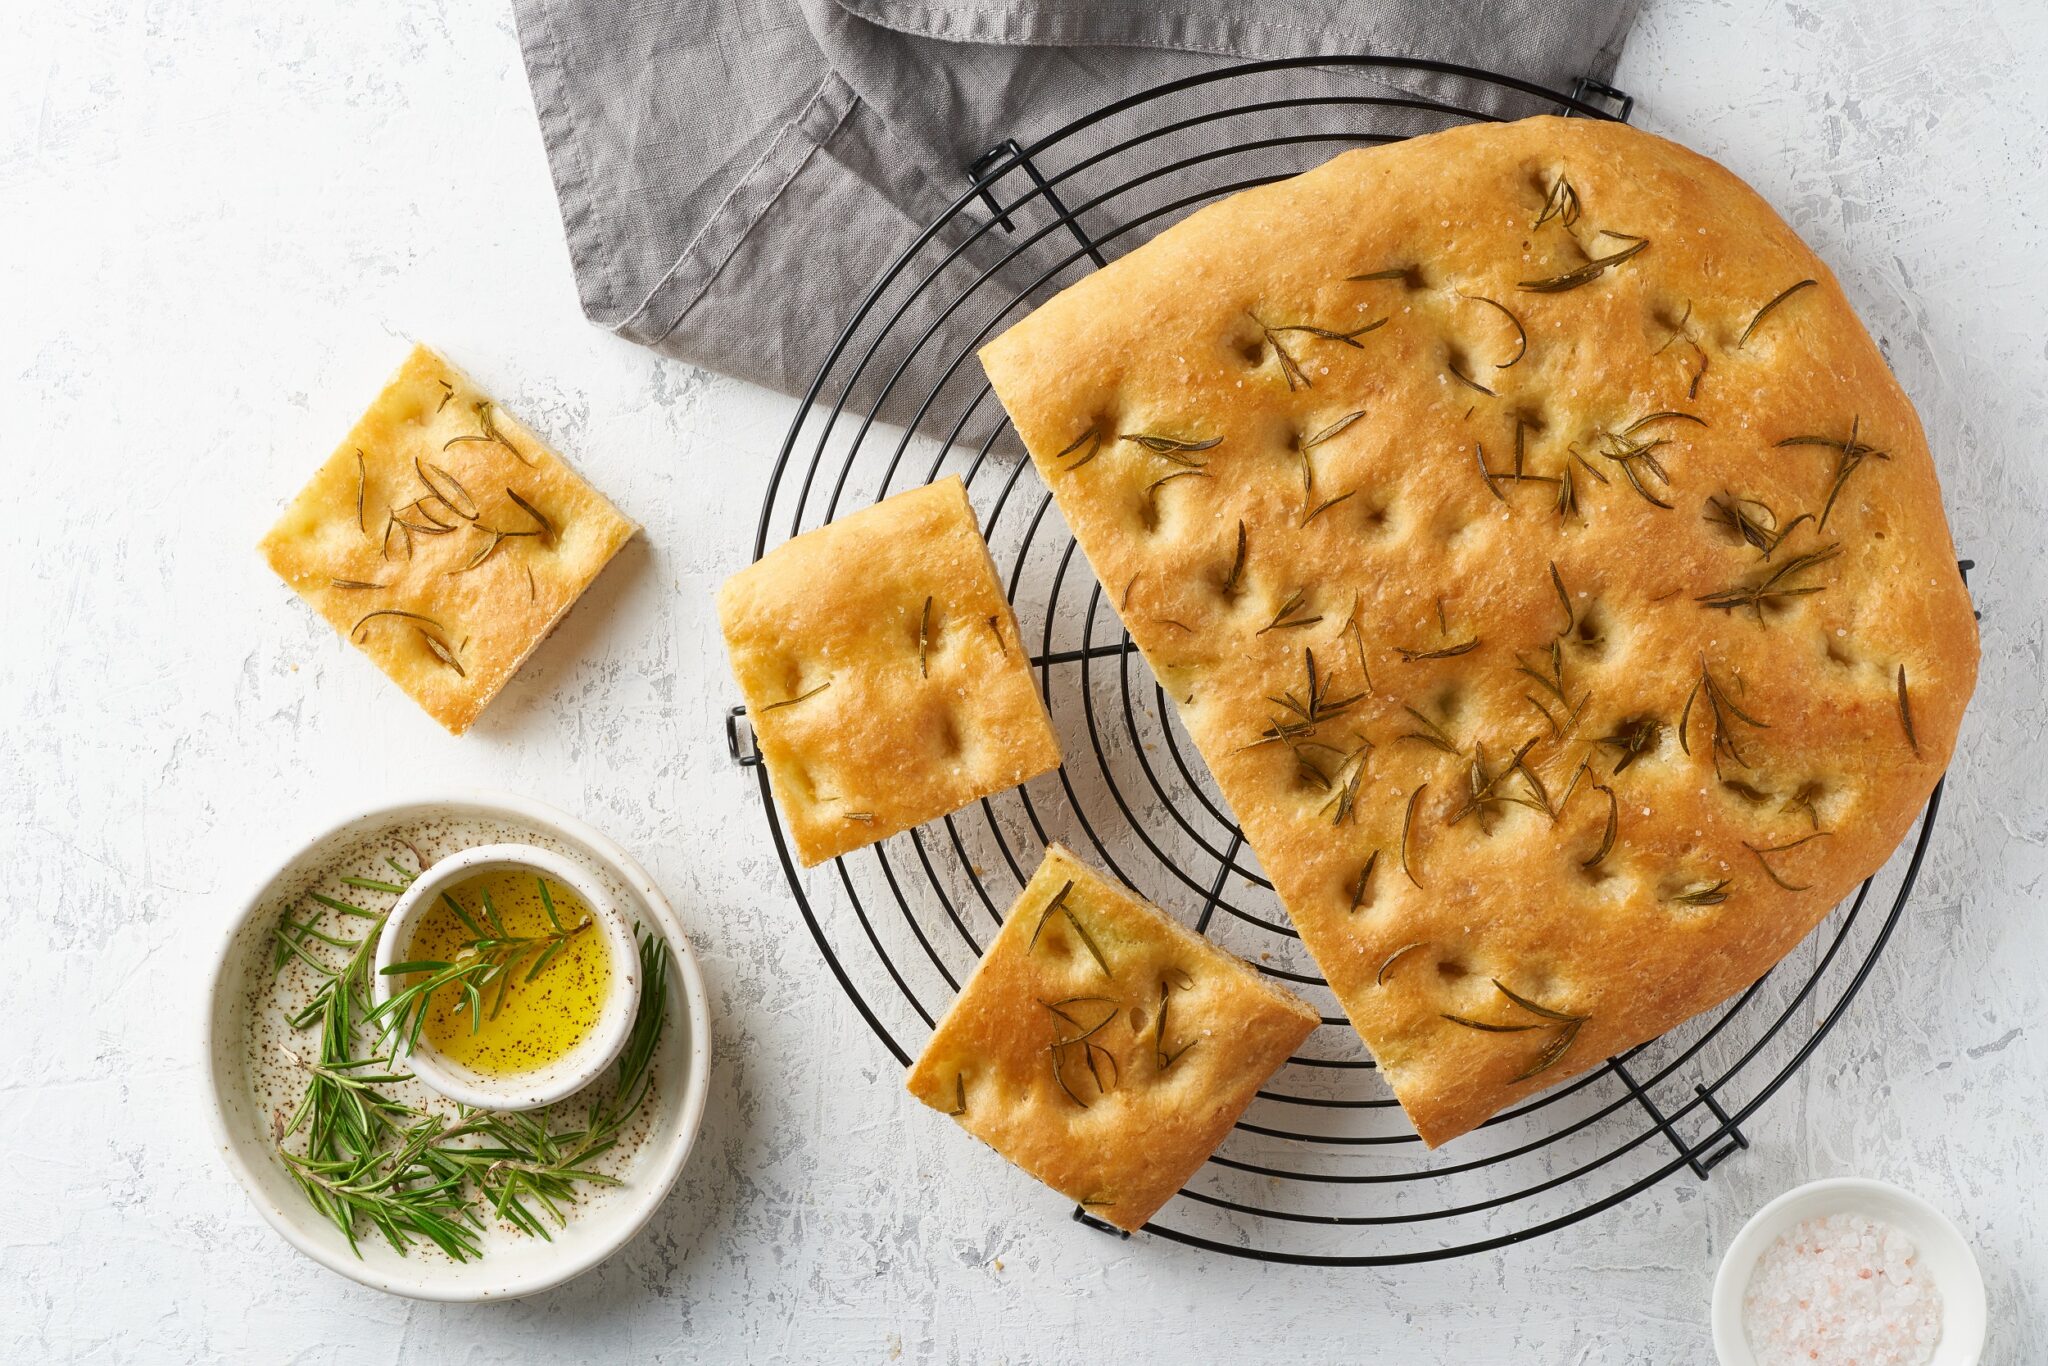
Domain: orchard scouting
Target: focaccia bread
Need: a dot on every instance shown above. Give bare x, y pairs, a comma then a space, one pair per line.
883, 671
444, 539
1103, 1047
1545, 562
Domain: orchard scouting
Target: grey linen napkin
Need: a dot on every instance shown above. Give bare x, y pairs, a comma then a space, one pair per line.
735, 174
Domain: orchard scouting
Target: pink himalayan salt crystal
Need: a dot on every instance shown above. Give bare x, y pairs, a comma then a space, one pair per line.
1843, 1290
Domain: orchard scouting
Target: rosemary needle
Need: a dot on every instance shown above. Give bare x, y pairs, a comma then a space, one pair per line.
540, 519
800, 697
1521, 333
1765, 311
1407, 829
1592, 270
1906, 712
1380, 977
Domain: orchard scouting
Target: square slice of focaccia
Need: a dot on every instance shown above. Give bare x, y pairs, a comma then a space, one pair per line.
1102, 1046
884, 672
1545, 562
444, 539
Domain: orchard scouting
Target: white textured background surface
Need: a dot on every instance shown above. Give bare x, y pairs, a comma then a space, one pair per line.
220, 221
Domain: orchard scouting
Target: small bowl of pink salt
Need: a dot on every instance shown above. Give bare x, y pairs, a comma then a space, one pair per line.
1849, 1272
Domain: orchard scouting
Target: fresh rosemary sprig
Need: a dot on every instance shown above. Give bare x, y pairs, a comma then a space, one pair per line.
1345, 782
1486, 474
490, 548
1628, 452
366, 1159
1567, 486
1331, 432
444, 652
1152, 491
485, 963
1564, 601
1320, 508
1519, 474
1175, 449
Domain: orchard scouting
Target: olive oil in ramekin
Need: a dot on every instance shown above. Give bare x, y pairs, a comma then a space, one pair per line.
528, 1019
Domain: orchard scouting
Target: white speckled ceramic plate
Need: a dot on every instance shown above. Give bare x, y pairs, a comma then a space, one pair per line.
245, 1028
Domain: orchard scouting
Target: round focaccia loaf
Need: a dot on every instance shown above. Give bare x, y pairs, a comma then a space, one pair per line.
1543, 559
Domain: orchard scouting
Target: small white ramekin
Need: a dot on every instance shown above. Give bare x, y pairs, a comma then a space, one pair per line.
1942, 1249
572, 1071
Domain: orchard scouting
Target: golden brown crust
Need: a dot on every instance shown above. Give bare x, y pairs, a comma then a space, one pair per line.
403, 518
884, 672
1197, 336
1143, 1092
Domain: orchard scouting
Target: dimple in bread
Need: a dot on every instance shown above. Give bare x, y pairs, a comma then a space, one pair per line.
1544, 561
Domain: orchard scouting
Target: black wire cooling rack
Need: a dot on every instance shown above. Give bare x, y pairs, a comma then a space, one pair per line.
1323, 1169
